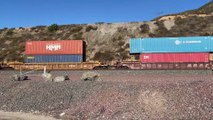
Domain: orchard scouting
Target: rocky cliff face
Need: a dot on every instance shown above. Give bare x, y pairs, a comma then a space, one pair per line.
109, 41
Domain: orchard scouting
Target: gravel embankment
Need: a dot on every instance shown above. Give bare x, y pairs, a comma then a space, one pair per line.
121, 94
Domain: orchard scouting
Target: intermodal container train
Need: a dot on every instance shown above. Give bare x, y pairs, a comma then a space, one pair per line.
155, 53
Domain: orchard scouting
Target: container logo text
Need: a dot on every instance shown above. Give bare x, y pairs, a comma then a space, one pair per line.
178, 42
145, 57
53, 47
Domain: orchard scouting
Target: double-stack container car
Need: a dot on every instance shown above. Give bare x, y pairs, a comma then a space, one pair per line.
173, 52
55, 55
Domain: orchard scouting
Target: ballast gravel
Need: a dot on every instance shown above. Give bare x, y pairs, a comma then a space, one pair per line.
121, 94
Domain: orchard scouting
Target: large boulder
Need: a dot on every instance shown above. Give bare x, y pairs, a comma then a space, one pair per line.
19, 77
47, 76
60, 78
90, 76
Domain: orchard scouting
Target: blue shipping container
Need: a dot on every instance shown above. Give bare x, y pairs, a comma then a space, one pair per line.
53, 58
171, 44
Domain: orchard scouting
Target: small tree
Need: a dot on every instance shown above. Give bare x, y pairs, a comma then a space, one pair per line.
53, 28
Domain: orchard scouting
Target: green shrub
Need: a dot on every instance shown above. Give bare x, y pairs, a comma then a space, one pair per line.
53, 28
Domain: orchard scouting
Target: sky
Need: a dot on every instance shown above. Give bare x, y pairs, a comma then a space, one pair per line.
28, 13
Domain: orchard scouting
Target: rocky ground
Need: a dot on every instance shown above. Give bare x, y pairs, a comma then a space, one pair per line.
120, 94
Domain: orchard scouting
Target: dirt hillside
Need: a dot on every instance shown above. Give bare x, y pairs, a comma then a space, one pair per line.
108, 41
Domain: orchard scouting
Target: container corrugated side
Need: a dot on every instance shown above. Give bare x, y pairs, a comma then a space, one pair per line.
174, 57
54, 47
171, 44
53, 58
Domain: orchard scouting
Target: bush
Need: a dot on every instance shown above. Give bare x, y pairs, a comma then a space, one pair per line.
99, 23
76, 29
104, 56
33, 28
78, 36
121, 29
134, 22
41, 27
9, 32
144, 28
53, 28
21, 28
162, 30
192, 26
120, 43
90, 27
127, 46
152, 35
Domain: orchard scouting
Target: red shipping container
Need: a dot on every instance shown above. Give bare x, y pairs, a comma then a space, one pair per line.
54, 47
174, 57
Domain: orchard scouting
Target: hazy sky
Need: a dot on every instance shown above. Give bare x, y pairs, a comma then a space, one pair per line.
26, 13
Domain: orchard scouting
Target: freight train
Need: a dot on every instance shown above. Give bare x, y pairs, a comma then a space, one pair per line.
155, 53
